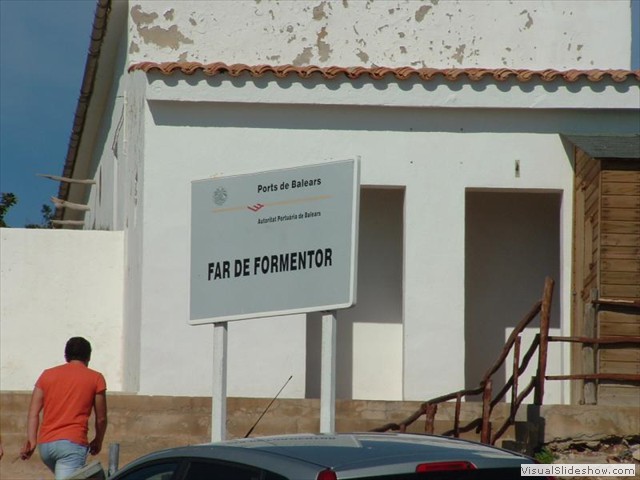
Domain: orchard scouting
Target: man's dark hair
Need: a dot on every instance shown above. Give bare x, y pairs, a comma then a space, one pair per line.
77, 348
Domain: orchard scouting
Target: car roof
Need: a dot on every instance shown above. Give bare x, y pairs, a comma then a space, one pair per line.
341, 451
347, 452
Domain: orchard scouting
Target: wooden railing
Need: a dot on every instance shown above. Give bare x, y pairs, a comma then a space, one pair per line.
519, 365
483, 424
590, 375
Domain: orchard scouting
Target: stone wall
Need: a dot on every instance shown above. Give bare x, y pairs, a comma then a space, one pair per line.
142, 424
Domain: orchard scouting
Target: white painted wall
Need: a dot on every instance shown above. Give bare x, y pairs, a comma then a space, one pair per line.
57, 284
560, 34
110, 153
131, 186
374, 345
369, 336
435, 154
188, 141
434, 141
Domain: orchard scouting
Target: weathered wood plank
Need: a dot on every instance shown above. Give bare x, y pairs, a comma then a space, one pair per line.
620, 214
613, 226
619, 329
613, 188
590, 171
610, 377
620, 176
588, 168
618, 317
59, 203
618, 395
588, 284
621, 265
86, 181
591, 191
619, 278
582, 159
611, 195
592, 195
617, 341
620, 201
631, 253
589, 366
621, 291
591, 274
620, 239
619, 354
588, 181
630, 368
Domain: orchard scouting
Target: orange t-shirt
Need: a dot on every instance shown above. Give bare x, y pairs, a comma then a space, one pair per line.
69, 393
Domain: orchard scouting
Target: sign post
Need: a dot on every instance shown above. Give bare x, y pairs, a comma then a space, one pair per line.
219, 398
328, 373
274, 243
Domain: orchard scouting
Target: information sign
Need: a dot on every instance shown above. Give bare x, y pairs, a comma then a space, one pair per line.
274, 243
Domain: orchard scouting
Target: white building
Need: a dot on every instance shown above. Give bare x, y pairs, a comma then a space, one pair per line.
464, 115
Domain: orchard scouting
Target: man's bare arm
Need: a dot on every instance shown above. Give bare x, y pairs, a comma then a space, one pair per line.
33, 423
100, 410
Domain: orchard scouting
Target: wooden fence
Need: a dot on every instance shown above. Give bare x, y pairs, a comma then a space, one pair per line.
512, 387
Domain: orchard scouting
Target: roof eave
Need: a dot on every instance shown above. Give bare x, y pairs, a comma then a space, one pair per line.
86, 91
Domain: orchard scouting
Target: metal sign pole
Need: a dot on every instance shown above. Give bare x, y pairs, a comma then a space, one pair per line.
219, 397
328, 373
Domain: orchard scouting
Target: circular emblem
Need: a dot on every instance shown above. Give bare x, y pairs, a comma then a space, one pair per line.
220, 196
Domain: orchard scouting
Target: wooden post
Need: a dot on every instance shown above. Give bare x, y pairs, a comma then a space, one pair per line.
456, 419
85, 181
516, 367
70, 205
589, 389
430, 413
485, 433
545, 314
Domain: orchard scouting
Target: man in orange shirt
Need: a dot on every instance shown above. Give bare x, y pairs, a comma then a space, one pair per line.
66, 395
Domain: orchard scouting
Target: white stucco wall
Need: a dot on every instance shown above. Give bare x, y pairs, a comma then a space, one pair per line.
57, 284
447, 141
436, 168
432, 140
560, 34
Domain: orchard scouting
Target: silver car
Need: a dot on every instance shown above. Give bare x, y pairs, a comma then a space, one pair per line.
379, 456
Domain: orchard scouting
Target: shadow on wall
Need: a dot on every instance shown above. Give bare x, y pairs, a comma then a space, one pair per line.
512, 242
385, 119
369, 349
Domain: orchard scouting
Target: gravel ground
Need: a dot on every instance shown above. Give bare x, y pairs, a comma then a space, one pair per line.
619, 451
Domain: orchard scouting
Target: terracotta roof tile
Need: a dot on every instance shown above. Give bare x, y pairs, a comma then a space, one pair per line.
378, 73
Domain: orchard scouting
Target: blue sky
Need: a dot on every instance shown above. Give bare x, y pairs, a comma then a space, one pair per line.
43, 48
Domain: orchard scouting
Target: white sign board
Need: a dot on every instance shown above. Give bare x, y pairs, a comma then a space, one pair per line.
274, 243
